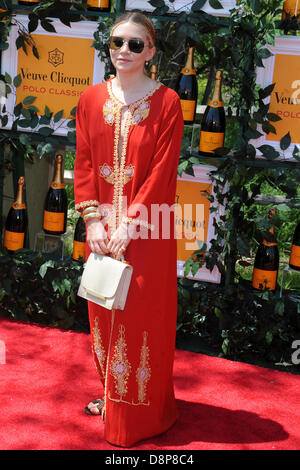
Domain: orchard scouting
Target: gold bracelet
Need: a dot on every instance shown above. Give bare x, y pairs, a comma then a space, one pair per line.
92, 215
89, 209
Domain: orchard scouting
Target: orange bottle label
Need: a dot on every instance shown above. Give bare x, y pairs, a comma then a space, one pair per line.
18, 206
57, 185
54, 221
264, 279
13, 241
188, 109
188, 71
292, 7
209, 141
98, 3
295, 256
215, 104
269, 243
78, 250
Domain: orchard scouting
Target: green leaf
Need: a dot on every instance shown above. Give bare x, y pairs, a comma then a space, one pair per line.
58, 116
198, 5
17, 81
47, 112
264, 53
46, 24
268, 152
296, 153
29, 100
157, 3
215, 4
26, 113
71, 124
46, 131
44, 120
267, 127
279, 307
225, 345
269, 337
273, 117
73, 111
285, 142
8, 78
264, 92
35, 52
43, 269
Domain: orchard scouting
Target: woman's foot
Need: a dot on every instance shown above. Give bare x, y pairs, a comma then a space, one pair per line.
95, 407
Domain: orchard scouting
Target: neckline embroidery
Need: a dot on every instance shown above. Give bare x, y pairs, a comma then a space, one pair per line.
134, 104
137, 112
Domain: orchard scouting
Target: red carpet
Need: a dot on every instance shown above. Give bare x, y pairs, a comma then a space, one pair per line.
49, 377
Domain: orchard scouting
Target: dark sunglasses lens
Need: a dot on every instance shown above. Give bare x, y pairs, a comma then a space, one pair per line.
116, 43
136, 45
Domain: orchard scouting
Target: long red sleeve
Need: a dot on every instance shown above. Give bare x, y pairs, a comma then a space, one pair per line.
86, 193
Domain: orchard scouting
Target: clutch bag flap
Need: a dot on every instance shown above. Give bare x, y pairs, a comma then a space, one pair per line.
103, 277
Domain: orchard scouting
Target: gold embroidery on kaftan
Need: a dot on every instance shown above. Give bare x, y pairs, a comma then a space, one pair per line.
84, 204
98, 347
143, 372
108, 173
112, 111
120, 367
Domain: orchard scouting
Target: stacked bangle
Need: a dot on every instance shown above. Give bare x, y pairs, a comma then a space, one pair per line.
91, 213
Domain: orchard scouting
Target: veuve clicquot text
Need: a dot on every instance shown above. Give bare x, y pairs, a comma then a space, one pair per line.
295, 250
266, 264
99, 5
213, 122
187, 88
16, 221
291, 8
56, 203
79, 239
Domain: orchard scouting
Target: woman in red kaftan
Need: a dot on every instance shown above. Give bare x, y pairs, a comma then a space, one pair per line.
128, 145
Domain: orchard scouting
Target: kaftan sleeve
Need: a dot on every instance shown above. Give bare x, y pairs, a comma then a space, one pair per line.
85, 190
160, 184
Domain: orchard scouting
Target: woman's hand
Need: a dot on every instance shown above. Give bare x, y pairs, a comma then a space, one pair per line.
96, 236
119, 241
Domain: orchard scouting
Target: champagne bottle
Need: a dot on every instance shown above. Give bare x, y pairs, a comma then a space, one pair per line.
16, 221
56, 203
79, 239
213, 122
266, 263
187, 88
291, 8
153, 72
295, 251
99, 5
28, 2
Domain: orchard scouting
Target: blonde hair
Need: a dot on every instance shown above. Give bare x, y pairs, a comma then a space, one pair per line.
139, 19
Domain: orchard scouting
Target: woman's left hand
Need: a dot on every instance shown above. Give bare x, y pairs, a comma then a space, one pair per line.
119, 241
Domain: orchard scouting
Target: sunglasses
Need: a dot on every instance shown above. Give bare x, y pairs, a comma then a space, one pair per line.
134, 45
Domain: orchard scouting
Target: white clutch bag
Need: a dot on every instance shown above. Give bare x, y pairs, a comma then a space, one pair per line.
105, 281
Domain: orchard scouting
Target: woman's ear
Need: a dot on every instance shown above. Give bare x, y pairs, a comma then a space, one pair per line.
151, 53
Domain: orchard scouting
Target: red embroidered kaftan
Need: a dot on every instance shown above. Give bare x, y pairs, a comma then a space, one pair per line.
134, 348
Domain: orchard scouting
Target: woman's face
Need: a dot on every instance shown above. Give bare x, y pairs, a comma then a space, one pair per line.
123, 59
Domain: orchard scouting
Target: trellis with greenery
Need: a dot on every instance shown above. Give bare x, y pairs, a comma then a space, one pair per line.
229, 318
